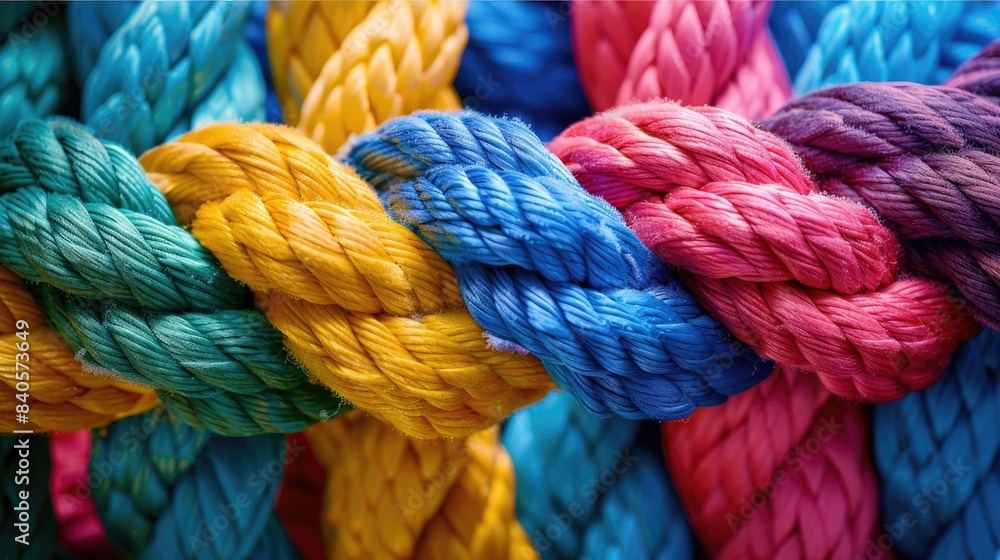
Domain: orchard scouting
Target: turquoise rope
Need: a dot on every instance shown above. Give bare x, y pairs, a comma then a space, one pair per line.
42, 521
167, 490
92, 26
917, 41
135, 294
33, 71
586, 488
170, 67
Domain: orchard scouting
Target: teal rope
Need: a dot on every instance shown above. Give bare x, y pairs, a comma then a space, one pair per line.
33, 64
170, 67
92, 26
167, 490
135, 294
42, 521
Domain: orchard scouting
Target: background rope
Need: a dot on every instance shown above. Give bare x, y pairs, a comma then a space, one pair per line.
587, 489
33, 63
731, 205
924, 158
519, 62
390, 496
169, 67
827, 43
61, 395
702, 52
610, 323
938, 456
80, 217
364, 304
165, 489
300, 499
343, 68
255, 33
41, 522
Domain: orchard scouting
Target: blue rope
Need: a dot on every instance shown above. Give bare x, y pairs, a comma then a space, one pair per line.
168, 68
519, 62
938, 456
35, 480
167, 490
895, 40
545, 266
33, 63
586, 490
255, 33
92, 26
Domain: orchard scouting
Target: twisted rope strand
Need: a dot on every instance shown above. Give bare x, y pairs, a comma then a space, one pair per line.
73, 201
598, 308
793, 273
345, 69
364, 304
32, 63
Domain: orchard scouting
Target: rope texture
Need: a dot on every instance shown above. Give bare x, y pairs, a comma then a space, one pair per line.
61, 394
550, 269
255, 33
519, 62
585, 489
79, 216
780, 471
702, 52
300, 499
828, 43
33, 72
390, 496
938, 456
925, 159
165, 489
92, 24
343, 68
807, 280
168, 68
365, 305
26, 469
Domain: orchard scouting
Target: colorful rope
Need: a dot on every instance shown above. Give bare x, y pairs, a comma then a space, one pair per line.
519, 62
167, 68
390, 496
547, 268
716, 52
365, 305
164, 489
255, 33
343, 68
586, 489
33, 63
156, 308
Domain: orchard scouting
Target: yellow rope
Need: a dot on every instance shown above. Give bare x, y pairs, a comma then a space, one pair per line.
364, 304
61, 395
343, 68
389, 496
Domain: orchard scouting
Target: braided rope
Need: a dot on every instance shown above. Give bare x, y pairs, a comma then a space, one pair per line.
781, 470
925, 159
390, 496
80, 217
343, 68
32, 63
255, 33
794, 26
717, 52
364, 304
25, 461
585, 489
519, 62
938, 456
62, 395
805, 279
551, 269
188, 482
92, 24
168, 68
